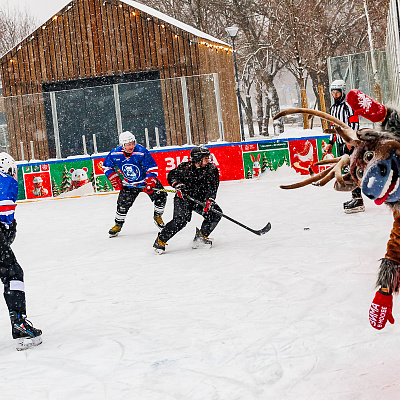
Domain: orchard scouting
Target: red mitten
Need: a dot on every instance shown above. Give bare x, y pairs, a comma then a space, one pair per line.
150, 183
381, 310
115, 181
365, 106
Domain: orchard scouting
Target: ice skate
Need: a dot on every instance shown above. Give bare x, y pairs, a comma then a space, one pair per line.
201, 241
115, 230
158, 221
159, 246
346, 203
23, 332
354, 206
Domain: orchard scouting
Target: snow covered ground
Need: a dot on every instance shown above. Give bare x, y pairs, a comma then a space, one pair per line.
282, 316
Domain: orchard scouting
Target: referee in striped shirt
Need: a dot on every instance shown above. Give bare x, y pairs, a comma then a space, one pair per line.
342, 111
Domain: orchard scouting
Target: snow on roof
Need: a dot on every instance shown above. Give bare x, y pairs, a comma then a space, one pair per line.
147, 10
173, 21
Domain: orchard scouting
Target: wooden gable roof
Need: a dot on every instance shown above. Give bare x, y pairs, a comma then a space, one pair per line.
106, 37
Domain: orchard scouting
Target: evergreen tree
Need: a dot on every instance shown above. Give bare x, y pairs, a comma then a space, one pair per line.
249, 174
99, 186
54, 187
65, 180
92, 179
264, 164
107, 187
286, 160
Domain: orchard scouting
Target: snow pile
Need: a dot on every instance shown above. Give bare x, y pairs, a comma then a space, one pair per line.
290, 132
298, 132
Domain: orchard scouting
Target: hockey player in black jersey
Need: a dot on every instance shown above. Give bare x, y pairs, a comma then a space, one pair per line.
11, 273
199, 179
341, 110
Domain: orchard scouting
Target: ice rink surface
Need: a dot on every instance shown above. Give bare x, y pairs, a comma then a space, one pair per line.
281, 316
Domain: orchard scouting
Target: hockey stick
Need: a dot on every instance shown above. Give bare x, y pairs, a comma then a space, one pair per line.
257, 232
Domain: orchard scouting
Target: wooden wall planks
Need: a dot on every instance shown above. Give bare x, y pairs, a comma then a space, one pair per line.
92, 38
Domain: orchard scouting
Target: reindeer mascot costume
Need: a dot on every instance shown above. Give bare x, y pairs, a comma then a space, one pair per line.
375, 168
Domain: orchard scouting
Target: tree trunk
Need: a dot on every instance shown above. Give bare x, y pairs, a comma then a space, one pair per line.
260, 114
315, 83
275, 108
265, 131
323, 107
304, 104
248, 108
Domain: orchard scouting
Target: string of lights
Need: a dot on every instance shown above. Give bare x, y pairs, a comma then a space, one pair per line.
132, 12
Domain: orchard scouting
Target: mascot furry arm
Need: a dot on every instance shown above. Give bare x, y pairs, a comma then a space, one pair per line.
374, 167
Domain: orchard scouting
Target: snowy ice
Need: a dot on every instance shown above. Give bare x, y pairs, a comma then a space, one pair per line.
281, 316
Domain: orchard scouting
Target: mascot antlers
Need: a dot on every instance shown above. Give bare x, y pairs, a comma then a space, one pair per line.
374, 167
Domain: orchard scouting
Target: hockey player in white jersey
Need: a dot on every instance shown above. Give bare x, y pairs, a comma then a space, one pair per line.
341, 110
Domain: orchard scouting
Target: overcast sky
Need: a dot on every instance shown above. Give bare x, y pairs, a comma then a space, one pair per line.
41, 9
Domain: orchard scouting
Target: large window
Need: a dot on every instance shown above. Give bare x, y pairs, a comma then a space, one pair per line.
86, 112
142, 109
92, 112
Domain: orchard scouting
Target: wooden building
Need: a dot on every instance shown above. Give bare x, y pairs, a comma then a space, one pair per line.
99, 67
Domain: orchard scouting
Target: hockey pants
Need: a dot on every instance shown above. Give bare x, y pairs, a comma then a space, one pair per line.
127, 196
343, 149
11, 273
183, 209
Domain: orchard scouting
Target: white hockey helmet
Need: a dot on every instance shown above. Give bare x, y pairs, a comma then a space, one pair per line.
338, 84
7, 164
126, 137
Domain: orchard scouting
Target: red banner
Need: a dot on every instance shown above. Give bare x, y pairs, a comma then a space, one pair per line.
98, 166
37, 185
250, 147
228, 160
303, 154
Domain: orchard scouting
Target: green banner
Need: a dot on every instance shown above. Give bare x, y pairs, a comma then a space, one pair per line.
68, 176
21, 186
256, 163
322, 153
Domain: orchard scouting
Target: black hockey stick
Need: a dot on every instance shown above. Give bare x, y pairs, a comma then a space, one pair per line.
257, 232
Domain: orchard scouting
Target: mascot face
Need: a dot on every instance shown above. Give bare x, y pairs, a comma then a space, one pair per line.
375, 167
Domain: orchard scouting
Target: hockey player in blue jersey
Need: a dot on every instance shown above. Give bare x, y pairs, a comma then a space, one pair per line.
139, 170
11, 273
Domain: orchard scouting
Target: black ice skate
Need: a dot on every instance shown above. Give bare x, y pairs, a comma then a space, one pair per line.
354, 206
201, 241
159, 246
23, 332
115, 230
158, 221
346, 203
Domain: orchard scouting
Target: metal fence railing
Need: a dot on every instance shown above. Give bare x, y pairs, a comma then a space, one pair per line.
356, 70
393, 52
88, 119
